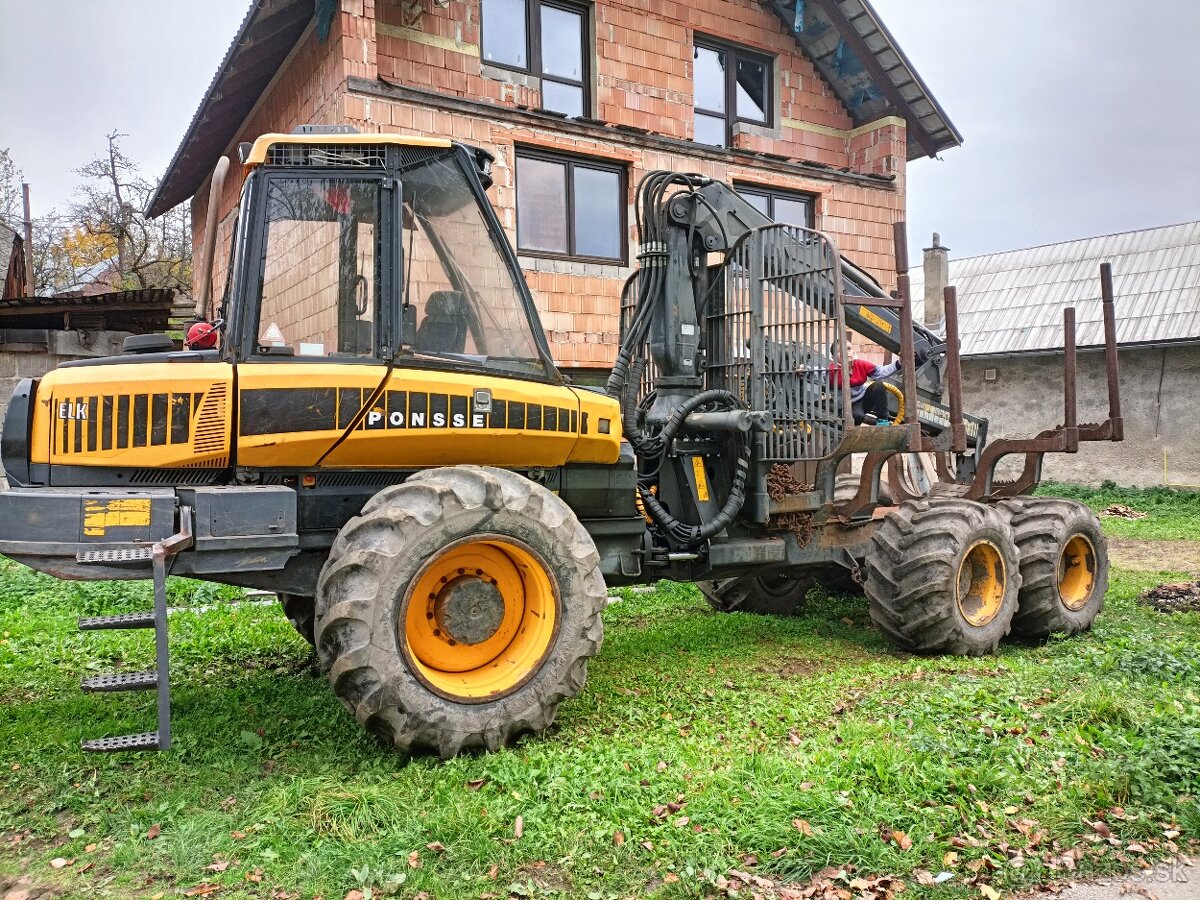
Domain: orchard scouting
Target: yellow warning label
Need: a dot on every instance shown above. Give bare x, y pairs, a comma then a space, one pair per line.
701, 479
100, 515
880, 323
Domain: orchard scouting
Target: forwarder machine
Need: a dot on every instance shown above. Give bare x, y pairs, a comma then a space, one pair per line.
382, 438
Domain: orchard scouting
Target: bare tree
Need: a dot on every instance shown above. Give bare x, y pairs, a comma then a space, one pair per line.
11, 211
146, 253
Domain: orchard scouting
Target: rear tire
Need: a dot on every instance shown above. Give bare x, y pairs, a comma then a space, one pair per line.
943, 577
1064, 565
772, 595
300, 611
459, 609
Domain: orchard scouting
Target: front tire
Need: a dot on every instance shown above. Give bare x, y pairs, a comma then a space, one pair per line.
1064, 565
459, 609
301, 612
943, 577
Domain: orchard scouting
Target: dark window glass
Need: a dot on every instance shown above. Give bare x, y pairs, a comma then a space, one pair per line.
751, 90
541, 205
562, 44
568, 206
710, 130
780, 206
319, 292
759, 201
505, 35
546, 39
563, 98
731, 85
710, 79
597, 212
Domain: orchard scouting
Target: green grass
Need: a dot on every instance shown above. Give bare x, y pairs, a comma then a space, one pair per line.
1171, 513
747, 723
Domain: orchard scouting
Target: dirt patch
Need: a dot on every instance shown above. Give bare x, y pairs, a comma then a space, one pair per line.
23, 888
1155, 556
1183, 596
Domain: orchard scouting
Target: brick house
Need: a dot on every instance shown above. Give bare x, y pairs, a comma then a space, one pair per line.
807, 106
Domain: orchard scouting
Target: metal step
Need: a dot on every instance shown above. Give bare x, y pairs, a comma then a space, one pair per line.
121, 681
122, 743
117, 555
125, 620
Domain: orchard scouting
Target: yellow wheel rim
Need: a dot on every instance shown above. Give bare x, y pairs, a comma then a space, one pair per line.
981, 581
479, 618
1077, 572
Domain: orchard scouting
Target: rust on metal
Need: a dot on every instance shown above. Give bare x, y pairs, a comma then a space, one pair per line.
1111, 365
958, 430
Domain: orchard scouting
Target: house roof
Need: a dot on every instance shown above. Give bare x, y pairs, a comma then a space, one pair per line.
847, 41
857, 55
1013, 302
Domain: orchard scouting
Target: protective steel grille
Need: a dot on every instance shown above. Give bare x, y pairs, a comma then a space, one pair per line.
357, 156
769, 336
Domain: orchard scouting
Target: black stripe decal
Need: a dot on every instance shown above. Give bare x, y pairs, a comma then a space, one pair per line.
92, 424
78, 424
181, 418
123, 421
533, 420
285, 410
141, 419
158, 420
106, 423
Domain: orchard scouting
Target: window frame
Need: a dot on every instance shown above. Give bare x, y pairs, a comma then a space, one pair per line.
570, 160
770, 193
533, 44
733, 54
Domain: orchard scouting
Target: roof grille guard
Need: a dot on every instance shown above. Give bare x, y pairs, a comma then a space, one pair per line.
350, 156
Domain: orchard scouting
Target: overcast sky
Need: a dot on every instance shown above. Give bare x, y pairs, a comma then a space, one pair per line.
1078, 115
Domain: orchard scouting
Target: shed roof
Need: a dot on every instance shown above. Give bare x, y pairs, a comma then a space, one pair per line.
1013, 302
846, 39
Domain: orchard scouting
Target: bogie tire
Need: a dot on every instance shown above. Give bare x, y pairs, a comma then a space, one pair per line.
1051, 534
774, 595
372, 566
300, 611
925, 561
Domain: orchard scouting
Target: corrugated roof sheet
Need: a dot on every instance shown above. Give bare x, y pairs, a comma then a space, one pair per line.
1013, 302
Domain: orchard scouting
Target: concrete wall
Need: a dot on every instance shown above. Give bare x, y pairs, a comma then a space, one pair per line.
19, 361
1159, 388
384, 69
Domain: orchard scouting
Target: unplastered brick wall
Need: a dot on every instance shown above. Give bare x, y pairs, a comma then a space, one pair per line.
579, 302
642, 80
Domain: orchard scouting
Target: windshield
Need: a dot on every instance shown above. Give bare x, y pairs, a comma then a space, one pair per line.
320, 284
461, 299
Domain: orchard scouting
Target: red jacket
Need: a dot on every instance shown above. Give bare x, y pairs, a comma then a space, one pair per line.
860, 371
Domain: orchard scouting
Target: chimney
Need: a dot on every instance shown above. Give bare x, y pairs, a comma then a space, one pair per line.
937, 276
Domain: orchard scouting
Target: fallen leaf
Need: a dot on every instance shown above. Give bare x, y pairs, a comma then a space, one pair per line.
436, 847
202, 890
990, 892
670, 878
84, 868
154, 831
803, 827
414, 860
681, 821
793, 738
219, 866
1101, 829
476, 783
58, 863
238, 835
950, 859
90, 848
903, 841
923, 876
256, 876
519, 827
1135, 847
648, 845
618, 838
493, 871
355, 894
661, 767
775, 854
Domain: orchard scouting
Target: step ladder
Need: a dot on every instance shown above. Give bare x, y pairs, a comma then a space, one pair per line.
159, 678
